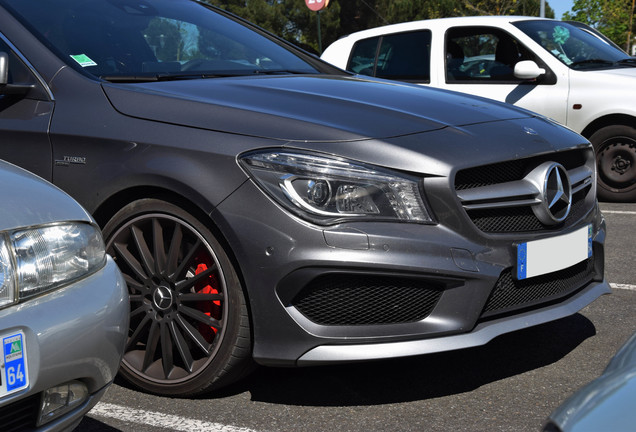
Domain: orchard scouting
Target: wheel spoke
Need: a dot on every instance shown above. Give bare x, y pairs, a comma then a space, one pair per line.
186, 284
151, 345
130, 261
166, 350
140, 310
186, 260
188, 297
200, 316
139, 331
173, 252
134, 284
182, 346
195, 336
147, 259
159, 248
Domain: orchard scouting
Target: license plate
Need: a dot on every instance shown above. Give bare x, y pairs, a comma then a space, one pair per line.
14, 374
538, 257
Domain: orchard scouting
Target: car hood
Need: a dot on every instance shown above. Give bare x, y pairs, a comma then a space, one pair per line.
31, 201
305, 108
626, 74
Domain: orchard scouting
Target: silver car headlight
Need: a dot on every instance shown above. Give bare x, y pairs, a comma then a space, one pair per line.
328, 190
40, 259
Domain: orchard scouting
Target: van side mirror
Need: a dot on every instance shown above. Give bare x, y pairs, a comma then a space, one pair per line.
528, 70
5, 87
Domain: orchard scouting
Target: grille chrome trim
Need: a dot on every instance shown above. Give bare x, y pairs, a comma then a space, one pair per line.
524, 192
520, 187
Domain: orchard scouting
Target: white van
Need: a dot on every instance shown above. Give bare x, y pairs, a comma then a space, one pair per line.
561, 70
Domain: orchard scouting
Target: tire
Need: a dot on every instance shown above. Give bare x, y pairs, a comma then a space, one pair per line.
189, 327
616, 163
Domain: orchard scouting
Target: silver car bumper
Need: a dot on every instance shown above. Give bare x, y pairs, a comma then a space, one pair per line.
75, 333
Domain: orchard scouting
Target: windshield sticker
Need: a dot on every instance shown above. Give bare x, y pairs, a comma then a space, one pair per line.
83, 60
560, 36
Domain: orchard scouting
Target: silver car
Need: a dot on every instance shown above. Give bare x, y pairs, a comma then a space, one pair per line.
605, 404
63, 307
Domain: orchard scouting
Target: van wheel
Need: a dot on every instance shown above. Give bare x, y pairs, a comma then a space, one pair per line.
616, 163
189, 327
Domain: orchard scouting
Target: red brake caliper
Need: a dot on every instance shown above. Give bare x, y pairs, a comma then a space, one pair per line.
210, 308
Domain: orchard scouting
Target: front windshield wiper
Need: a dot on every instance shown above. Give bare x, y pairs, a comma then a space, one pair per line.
592, 62
200, 75
627, 61
280, 72
161, 77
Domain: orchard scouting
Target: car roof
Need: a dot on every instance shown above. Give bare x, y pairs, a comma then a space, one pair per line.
441, 22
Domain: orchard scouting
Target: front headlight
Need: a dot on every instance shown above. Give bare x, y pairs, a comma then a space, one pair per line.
36, 260
327, 190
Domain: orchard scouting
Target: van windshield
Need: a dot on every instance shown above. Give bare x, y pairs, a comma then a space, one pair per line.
153, 39
578, 47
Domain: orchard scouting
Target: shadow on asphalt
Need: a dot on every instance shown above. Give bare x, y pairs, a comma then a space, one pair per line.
417, 378
89, 424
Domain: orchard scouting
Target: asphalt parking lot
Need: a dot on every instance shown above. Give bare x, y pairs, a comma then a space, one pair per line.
511, 384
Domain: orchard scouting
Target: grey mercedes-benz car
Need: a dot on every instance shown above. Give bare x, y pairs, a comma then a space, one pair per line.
63, 307
264, 205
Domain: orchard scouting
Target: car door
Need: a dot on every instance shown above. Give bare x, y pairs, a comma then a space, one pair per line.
25, 114
480, 60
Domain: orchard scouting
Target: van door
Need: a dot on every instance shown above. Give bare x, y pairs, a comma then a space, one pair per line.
480, 60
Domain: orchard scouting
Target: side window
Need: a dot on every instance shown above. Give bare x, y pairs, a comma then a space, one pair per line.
362, 60
400, 56
482, 54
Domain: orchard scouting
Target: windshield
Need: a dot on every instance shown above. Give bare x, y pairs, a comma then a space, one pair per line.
153, 39
574, 46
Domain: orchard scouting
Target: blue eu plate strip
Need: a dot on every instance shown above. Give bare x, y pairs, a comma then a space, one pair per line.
522, 257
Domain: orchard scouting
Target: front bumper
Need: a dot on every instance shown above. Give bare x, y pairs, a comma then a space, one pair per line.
306, 285
74, 333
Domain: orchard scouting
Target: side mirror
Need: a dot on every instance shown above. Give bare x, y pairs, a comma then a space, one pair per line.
4, 68
5, 87
528, 70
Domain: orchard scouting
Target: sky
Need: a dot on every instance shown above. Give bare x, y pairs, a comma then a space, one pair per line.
560, 7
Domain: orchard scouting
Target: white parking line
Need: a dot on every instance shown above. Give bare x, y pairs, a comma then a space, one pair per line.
156, 419
623, 286
618, 212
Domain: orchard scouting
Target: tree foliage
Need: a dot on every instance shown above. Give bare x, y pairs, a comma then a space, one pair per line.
293, 21
610, 17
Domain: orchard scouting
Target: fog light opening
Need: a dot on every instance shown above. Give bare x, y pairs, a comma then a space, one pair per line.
60, 400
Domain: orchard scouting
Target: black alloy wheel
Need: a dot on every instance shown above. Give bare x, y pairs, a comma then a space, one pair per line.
616, 163
189, 327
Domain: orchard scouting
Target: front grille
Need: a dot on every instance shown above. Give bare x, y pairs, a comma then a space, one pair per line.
20, 415
510, 294
346, 300
495, 203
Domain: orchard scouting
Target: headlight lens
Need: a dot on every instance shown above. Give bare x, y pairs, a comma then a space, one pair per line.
328, 190
36, 260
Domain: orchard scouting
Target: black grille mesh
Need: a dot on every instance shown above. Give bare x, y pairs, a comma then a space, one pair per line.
20, 415
510, 294
502, 172
343, 299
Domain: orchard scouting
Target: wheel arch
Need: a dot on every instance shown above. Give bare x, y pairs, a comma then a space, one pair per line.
608, 120
200, 209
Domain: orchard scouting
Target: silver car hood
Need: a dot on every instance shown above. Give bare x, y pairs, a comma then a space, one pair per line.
305, 108
29, 201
